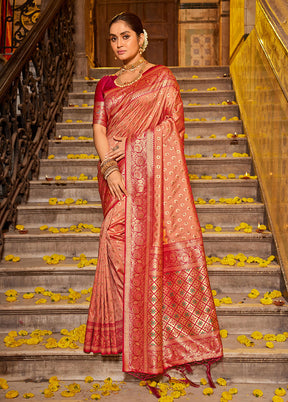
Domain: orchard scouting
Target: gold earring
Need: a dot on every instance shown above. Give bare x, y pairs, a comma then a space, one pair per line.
115, 58
140, 50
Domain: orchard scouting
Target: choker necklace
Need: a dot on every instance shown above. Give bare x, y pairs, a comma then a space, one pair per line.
121, 84
132, 67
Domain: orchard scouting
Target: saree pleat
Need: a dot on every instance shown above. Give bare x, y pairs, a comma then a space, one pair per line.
168, 313
105, 320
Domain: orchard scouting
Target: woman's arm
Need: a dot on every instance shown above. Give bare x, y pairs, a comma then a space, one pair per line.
115, 180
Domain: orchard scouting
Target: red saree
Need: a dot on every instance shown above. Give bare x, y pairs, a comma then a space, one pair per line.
151, 298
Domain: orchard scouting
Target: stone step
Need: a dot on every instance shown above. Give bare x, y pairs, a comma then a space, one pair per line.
130, 390
218, 128
204, 146
226, 216
213, 112
29, 273
42, 190
202, 84
199, 166
202, 97
257, 364
193, 129
179, 72
242, 316
39, 243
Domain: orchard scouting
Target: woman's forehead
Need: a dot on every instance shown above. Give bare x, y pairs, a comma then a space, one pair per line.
119, 27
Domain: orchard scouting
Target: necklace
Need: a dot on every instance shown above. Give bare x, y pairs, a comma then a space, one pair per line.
121, 84
132, 67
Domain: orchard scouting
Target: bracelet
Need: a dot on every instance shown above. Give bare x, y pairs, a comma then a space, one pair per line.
107, 165
110, 170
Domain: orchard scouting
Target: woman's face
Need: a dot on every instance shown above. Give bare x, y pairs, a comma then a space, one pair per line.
124, 42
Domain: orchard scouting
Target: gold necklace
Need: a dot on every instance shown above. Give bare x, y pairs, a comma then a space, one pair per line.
132, 67
121, 84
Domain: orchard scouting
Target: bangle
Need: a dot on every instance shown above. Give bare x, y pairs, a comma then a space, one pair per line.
110, 170
108, 164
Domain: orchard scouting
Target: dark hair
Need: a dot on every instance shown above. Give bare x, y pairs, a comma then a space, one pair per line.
131, 19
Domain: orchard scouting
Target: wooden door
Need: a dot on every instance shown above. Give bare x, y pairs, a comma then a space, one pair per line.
159, 18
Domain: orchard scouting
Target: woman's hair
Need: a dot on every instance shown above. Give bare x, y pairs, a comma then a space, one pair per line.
132, 20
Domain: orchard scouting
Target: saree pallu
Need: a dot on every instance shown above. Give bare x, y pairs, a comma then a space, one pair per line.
165, 314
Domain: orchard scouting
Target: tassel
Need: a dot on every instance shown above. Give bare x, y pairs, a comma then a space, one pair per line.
187, 379
154, 390
208, 372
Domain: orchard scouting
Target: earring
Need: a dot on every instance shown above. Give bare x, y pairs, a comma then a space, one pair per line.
115, 58
140, 50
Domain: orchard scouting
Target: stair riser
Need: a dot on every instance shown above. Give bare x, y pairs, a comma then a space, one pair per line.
62, 149
218, 128
71, 246
239, 369
203, 98
235, 323
205, 129
66, 217
61, 281
179, 72
200, 167
85, 190
209, 112
202, 84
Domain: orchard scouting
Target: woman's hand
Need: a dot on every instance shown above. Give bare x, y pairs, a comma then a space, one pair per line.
116, 185
118, 151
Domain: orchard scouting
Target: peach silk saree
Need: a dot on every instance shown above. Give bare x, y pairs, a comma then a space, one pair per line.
151, 299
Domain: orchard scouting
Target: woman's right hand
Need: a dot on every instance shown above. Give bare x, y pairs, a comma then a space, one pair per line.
116, 185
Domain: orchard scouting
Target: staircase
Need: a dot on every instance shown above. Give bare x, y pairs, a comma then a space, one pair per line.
208, 122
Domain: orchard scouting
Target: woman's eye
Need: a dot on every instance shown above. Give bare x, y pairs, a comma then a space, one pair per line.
113, 39
126, 37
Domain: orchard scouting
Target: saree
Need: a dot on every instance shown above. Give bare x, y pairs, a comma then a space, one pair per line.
151, 298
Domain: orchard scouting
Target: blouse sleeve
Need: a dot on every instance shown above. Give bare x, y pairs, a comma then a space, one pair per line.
99, 112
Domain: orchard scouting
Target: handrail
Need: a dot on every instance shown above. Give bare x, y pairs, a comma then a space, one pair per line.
33, 88
23, 52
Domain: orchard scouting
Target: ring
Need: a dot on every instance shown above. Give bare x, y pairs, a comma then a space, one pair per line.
116, 147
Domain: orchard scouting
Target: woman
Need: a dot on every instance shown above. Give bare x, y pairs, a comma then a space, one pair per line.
151, 299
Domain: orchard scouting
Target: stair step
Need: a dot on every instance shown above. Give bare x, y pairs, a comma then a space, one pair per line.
256, 364
199, 166
39, 243
131, 391
218, 128
239, 317
42, 190
29, 273
204, 146
202, 97
215, 112
202, 84
225, 215
205, 129
179, 72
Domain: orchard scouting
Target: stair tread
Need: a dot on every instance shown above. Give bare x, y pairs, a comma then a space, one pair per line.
241, 303
231, 346
37, 265
36, 232
131, 391
96, 205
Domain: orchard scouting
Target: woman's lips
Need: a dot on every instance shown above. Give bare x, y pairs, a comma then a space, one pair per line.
121, 51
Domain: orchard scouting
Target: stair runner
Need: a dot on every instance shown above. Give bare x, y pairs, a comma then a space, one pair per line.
220, 169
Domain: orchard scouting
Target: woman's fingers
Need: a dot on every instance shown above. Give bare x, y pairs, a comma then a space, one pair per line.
116, 185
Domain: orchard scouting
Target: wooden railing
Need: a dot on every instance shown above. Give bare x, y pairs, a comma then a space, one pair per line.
33, 88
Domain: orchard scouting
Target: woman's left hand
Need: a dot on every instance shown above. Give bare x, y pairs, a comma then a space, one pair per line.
118, 151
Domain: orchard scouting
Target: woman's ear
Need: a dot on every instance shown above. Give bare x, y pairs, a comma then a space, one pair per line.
141, 39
